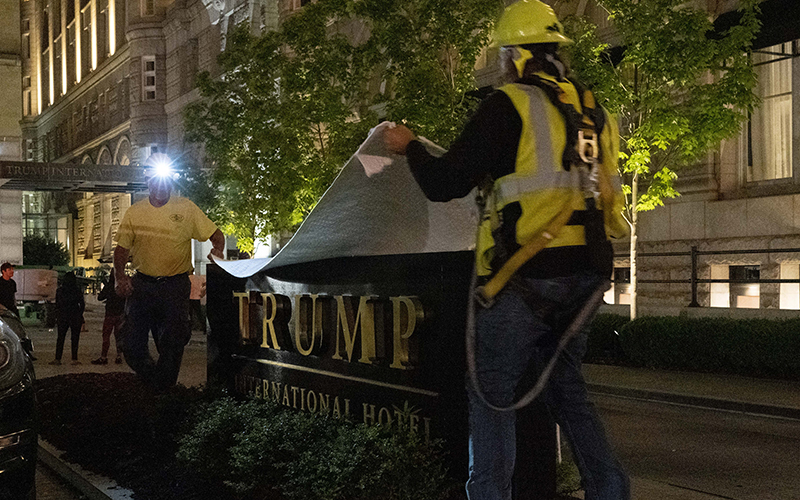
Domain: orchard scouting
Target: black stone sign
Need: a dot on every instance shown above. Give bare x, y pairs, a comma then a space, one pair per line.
378, 340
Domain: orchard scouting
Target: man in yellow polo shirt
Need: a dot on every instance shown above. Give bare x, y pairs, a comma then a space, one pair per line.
157, 234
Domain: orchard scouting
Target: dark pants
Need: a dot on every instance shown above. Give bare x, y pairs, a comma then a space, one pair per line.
509, 335
74, 323
535, 475
111, 324
160, 306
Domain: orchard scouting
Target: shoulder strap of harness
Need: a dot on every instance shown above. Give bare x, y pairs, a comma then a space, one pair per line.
593, 117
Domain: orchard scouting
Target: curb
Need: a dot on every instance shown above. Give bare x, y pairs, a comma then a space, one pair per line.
93, 486
701, 401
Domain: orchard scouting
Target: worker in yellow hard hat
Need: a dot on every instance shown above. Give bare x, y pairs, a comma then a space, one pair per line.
543, 155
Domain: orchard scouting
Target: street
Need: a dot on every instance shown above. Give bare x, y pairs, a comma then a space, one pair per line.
698, 454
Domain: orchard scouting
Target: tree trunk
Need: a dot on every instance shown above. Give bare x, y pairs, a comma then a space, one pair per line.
634, 237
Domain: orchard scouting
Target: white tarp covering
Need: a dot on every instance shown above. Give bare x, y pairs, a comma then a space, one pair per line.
374, 207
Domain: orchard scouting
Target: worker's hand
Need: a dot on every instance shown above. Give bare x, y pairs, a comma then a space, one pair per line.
397, 138
123, 286
216, 252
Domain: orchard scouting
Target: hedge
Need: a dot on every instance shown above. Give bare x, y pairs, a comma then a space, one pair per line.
752, 347
603, 345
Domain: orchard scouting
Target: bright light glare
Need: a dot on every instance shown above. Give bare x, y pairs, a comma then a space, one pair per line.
159, 165
162, 169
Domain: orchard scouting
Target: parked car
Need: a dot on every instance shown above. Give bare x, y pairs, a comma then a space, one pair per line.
18, 414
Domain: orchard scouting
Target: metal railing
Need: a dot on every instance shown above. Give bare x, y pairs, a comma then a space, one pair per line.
694, 254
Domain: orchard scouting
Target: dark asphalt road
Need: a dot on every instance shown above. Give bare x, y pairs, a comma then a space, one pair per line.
701, 454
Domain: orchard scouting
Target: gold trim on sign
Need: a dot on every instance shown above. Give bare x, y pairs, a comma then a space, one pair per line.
341, 376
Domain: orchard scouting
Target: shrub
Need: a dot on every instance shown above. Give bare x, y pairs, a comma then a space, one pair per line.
603, 344
753, 347
37, 250
258, 445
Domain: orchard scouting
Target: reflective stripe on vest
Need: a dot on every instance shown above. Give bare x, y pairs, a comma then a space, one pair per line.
539, 183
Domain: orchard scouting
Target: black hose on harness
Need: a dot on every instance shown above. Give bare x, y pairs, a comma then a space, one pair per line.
576, 326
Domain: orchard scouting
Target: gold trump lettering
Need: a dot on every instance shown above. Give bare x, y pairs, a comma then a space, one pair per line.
350, 326
276, 311
347, 328
403, 328
308, 324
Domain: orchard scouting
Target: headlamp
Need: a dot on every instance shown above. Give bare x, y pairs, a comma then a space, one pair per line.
159, 166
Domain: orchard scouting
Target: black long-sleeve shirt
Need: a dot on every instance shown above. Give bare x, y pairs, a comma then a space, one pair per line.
488, 146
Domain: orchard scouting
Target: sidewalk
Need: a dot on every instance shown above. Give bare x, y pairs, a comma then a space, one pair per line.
193, 369
779, 398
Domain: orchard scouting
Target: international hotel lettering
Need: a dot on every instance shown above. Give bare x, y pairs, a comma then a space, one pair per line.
367, 330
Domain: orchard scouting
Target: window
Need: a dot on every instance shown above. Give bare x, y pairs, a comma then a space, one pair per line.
111, 101
86, 41
620, 292
45, 28
27, 96
790, 292
745, 289
770, 128
189, 63
102, 31
56, 17
149, 78
148, 7
30, 150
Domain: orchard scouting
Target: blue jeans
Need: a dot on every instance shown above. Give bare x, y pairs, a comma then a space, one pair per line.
163, 308
522, 327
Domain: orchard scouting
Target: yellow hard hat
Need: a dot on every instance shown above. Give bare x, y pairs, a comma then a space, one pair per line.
528, 21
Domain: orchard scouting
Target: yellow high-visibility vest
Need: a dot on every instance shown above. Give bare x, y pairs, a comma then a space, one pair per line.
539, 183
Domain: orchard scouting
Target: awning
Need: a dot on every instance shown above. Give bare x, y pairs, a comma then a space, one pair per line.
780, 22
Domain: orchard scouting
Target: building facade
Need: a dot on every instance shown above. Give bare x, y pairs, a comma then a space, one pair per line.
105, 82
10, 132
740, 208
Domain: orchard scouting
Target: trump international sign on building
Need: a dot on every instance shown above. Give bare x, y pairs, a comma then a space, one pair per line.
21, 175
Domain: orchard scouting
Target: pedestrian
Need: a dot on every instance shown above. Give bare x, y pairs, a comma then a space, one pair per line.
8, 288
157, 234
114, 311
544, 157
70, 305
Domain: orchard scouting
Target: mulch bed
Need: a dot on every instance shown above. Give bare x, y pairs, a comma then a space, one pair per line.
113, 425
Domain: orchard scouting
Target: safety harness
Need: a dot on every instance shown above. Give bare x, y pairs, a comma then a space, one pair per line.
582, 151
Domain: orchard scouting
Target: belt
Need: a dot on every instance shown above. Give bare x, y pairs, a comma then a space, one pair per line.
158, 279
